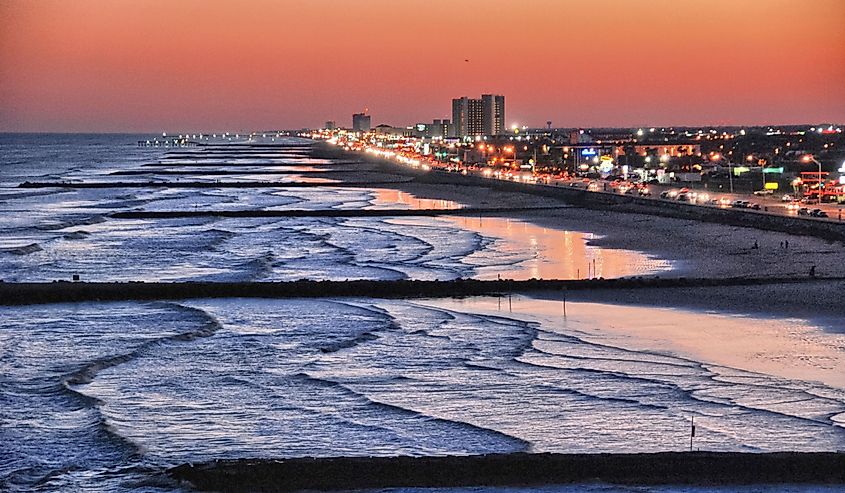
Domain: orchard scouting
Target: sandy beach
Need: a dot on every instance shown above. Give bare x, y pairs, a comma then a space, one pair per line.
695, 248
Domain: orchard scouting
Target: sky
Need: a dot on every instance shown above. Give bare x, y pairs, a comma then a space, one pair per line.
209, 65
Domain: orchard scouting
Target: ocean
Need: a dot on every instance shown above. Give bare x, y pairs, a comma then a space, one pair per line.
105, 396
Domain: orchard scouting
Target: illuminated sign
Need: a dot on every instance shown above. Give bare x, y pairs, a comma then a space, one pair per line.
589, 152
773, 170
771, 185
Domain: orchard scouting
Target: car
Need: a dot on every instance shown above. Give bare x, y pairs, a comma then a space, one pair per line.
739, 204
787, 198
818, 213
644, 192
756, 207
763, 192
803, 211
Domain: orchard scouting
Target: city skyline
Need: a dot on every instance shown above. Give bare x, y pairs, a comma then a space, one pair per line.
96, 66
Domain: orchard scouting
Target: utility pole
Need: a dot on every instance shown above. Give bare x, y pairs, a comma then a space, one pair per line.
691, 432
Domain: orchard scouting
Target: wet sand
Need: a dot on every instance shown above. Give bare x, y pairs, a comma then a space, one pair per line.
695, 248
556, 254
548, 253
791, 348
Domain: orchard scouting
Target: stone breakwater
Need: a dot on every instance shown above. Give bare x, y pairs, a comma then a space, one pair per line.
345, 473
59, 292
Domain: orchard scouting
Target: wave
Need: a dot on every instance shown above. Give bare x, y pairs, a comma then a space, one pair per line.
709, 373
86, 373
518, 444
362, 337
692, 395
71, 221
22, 250
258, 267
219, 236
76, 235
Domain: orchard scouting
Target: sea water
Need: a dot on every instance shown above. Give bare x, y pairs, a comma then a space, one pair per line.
104, 396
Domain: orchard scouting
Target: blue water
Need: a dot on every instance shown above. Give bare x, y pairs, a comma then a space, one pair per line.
104, 396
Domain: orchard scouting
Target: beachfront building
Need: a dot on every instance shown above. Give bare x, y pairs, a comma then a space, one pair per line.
361, 122
478, 117
492, 114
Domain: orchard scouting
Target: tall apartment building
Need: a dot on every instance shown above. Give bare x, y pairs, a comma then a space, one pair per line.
492, 114
474, 117
361, 122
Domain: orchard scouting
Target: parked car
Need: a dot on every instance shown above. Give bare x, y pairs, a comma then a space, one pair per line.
818, 213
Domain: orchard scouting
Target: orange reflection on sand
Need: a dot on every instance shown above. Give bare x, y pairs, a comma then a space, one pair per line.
386, 198
538, 252
554, 254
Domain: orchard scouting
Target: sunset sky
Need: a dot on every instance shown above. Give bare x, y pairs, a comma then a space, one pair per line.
209, 65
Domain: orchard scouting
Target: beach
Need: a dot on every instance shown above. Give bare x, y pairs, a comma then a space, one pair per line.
127, 387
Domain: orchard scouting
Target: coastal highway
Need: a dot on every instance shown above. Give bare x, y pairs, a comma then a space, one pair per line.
770, 204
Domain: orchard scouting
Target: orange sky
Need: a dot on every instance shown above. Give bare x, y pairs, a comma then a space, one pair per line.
207, 65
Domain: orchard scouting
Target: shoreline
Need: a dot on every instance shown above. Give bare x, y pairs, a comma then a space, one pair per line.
694, 247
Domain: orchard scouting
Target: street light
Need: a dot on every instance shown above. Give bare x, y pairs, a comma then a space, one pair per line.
809, 158
719, 157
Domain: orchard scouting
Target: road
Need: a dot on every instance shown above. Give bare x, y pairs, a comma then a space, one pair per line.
771, 204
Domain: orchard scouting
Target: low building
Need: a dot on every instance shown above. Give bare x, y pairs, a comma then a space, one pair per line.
361, 122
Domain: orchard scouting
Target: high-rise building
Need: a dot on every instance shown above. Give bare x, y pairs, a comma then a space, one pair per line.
330, 125
493, 114
475, 117
361, 122
459, 116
